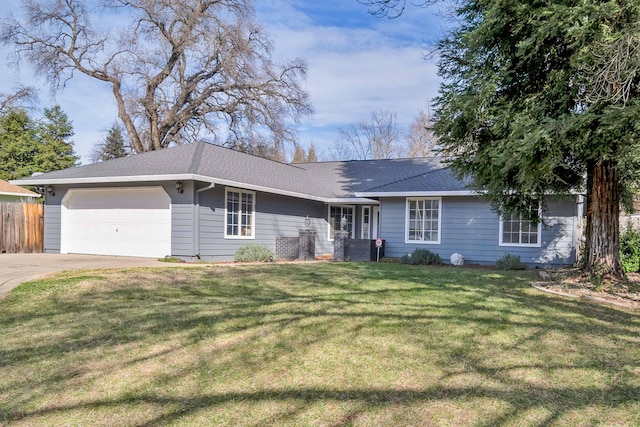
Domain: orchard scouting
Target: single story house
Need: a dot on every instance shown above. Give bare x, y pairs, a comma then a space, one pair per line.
205, 201
13, 193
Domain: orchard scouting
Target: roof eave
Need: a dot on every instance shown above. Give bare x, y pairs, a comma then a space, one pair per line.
6, 193
454, 193
183, 177
353, 201
102, 179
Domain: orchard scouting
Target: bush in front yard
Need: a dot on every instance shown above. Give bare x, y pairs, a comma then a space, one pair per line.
630, 249
421, 257
253, 253
510, 262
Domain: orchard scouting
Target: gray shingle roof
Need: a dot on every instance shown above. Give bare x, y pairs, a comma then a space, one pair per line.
325, 180
385, 176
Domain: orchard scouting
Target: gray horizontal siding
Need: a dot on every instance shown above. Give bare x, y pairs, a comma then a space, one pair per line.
182, 229
275, 216
471, 228
52, 228
182, 214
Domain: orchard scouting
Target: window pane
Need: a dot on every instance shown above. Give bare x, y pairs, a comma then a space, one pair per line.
517, 231
336, 213
239, 213
366, 223
423, 220
507, 226
233, 209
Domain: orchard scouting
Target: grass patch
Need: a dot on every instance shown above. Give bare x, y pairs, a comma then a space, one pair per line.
171, 259
58, 283
333, 344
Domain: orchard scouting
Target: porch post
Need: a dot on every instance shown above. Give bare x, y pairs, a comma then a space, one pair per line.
307, 245
340, 244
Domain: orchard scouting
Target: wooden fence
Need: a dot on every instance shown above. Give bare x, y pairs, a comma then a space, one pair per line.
21, 227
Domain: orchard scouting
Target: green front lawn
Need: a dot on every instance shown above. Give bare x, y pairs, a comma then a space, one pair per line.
333, 344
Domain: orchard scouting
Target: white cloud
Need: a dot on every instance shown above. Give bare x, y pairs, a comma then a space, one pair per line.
346, 87
354, 71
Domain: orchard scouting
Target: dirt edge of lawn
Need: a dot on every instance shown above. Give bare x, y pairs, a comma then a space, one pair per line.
555, 283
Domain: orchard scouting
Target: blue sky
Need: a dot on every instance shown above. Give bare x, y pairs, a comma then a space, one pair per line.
358, 64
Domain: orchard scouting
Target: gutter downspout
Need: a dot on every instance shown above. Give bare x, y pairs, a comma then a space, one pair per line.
196, 217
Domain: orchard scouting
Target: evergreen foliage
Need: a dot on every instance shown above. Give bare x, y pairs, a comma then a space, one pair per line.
514, 115
630, 249
28, 145
113, 146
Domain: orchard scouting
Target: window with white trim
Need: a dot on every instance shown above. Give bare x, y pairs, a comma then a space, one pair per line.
366, 222
337, 215
515, 231
240, 214
423, 220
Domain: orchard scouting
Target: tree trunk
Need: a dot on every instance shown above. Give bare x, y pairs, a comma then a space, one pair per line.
134, 137
603, 223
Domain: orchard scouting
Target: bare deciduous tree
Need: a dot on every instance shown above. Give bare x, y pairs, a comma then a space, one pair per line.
377, 138
258, 146
179, 70
21, 97
392, 8
419, 139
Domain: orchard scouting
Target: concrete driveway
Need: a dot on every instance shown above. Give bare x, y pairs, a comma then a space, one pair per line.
18, 268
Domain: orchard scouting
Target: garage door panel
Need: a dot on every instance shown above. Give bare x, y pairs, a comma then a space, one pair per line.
122, 221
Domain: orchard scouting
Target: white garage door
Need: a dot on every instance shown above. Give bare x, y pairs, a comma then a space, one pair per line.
116, 221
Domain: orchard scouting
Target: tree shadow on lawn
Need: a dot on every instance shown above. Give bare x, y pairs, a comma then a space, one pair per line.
556, 401
314, 306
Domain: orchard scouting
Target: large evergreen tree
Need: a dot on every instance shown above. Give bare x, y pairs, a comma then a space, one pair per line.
516, 115
28, 145
113, 145
54, 148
